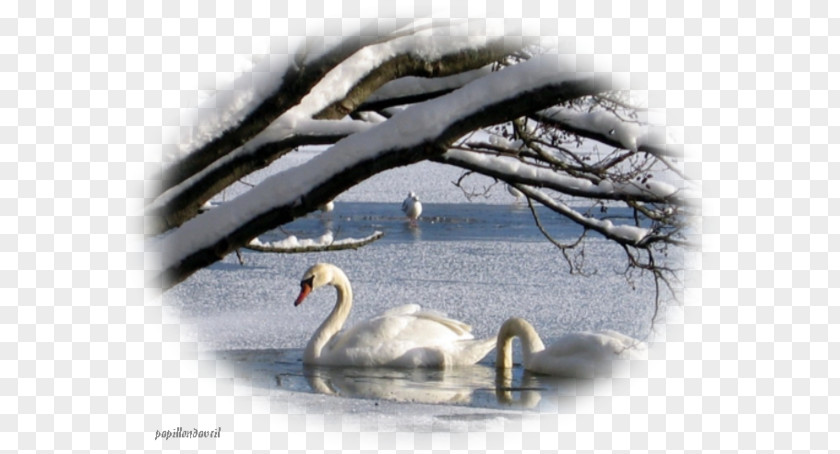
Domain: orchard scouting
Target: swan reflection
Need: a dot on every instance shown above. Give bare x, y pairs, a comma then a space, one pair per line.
431, 386
525, 395
480, 385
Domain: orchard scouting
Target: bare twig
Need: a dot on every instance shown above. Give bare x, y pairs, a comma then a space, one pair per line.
469, 193
575, 267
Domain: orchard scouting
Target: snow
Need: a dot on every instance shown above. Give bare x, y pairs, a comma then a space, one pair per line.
630, 135
629, 232
292, 241
338, 82
297, 126
523, 171
515, 167
409, 86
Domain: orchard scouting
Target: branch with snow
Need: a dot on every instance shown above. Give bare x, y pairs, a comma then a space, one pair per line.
181, 202
621, 233
419, 132
410, 90
257, 100
308, 107
514, 170
607, 128
326, 242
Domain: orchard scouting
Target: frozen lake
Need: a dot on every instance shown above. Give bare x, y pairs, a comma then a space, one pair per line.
478, 262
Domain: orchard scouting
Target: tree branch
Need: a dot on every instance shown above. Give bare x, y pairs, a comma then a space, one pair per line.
335, 171
176, 209
564, 248
291, 88
531, 175
183, 202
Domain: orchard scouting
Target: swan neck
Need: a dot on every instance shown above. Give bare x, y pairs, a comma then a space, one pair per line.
334, 321
531, 342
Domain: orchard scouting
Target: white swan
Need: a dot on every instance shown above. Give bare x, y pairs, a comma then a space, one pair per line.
401, 337
327, 207
412, 207
577, 354
512, 190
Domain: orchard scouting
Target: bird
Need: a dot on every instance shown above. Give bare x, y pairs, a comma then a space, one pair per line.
579, 354
512, 190
326, 207
412, 208
405, 336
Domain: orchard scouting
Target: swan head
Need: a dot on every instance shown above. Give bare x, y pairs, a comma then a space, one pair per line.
316, 276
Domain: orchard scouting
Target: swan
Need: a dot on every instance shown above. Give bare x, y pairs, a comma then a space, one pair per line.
412, 207
327, 207
404, 336
512, 190
578, 354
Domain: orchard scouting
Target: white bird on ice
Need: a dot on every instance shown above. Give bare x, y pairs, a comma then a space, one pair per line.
412, 207
405, 336
579, 354
327, 207
514, 192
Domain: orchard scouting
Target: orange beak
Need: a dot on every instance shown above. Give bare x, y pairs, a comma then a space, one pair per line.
305, 288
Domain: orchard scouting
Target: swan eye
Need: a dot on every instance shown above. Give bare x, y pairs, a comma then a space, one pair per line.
308, 281
305, 288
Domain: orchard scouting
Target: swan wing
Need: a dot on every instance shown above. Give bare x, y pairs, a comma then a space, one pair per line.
407, 336
584, 354
439, 319
622, 342
584, 342
423, 318
401, 310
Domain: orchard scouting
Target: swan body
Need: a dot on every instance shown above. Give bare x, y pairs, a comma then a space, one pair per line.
514, 192
578, 354
412, 207
405, 336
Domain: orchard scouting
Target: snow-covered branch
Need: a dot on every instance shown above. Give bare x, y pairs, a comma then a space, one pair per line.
181, 202
420, 132
620, 233
410, 90
256, 101
606, 128
306, 107
514, 170
486, 103
326, 242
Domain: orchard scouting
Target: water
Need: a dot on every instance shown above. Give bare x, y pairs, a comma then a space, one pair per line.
439, 222
478, 263
470, 386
